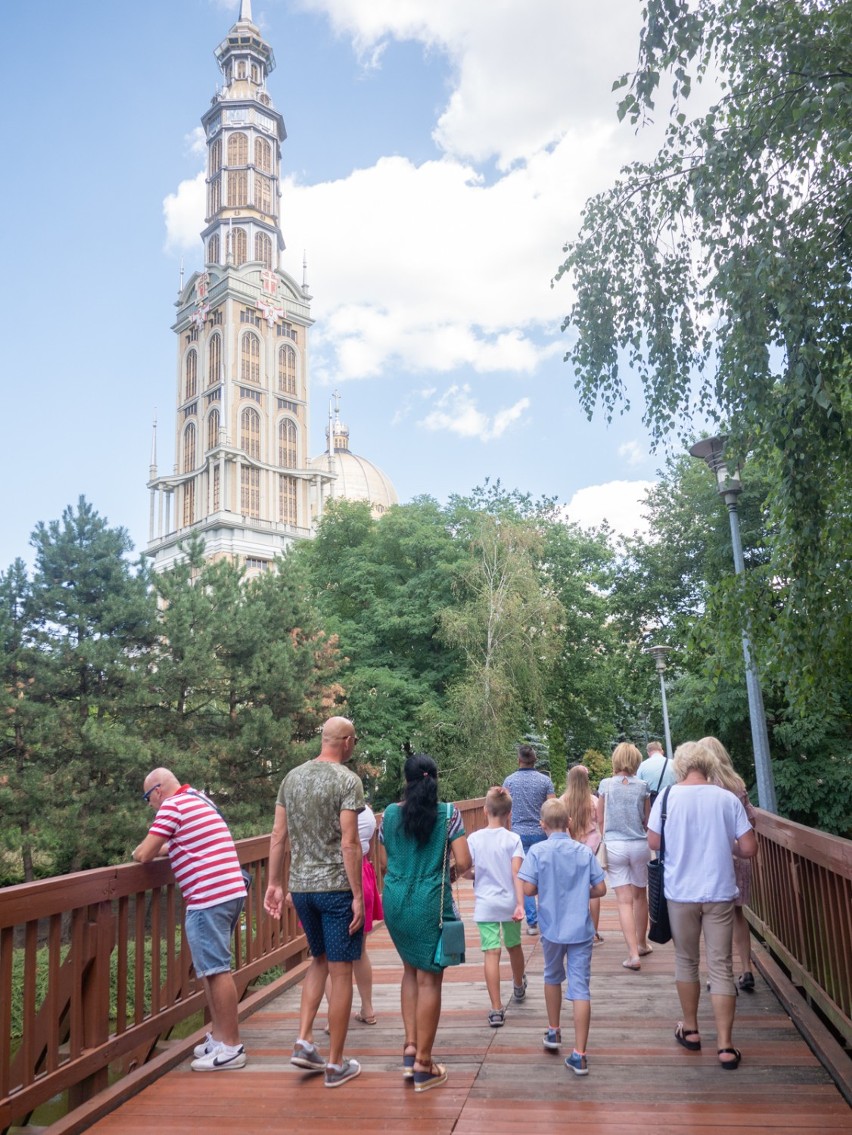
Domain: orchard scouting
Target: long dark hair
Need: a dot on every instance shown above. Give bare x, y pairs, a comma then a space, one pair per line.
420, 803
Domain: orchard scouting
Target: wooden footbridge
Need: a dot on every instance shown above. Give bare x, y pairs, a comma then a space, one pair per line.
123, 1071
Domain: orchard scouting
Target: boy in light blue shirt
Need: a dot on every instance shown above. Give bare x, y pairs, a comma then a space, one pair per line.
565, 875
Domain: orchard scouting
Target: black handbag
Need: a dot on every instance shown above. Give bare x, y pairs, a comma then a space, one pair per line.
658, 907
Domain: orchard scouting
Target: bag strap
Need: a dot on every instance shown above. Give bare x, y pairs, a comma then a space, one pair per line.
205, 798
662, 853
662, 774
445, 863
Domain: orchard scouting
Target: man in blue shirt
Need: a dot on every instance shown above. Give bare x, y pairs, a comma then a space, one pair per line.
529, 789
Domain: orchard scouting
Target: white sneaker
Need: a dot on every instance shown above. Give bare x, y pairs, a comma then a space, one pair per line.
206, 1047
221, 1059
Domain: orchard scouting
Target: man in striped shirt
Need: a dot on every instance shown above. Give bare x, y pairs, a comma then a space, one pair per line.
190, 828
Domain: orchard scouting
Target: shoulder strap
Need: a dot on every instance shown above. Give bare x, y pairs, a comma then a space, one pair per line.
203, 796
662, 774
663, 807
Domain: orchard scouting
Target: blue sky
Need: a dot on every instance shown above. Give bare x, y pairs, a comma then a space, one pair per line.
439, 153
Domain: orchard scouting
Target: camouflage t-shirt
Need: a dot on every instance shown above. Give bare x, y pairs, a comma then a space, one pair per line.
314, 795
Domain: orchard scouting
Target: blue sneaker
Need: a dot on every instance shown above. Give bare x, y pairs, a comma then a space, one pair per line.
577, 1063
552, 1040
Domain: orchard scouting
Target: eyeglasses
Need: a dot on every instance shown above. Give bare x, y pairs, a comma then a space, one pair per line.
146, 796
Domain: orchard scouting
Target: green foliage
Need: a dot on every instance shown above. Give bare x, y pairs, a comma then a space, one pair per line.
107, 674
719, 274
599, 766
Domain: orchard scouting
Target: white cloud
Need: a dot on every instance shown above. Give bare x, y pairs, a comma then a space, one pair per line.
633, 453
457, 413
525, 74
184, 213
427, 268
620, 503
196, 142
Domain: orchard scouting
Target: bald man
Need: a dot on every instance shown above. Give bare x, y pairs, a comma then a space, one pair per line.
207, 869
318, 805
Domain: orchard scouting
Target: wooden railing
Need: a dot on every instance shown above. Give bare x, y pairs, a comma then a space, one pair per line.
801, 906
95, 972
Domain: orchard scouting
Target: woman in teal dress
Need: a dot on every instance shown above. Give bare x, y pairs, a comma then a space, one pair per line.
415, 835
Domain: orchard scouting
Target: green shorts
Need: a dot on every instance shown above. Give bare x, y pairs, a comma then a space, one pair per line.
489, 934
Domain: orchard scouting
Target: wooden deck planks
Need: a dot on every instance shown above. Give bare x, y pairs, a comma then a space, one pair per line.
501, 1080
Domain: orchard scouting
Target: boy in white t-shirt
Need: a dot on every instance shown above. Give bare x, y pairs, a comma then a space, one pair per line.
497, 855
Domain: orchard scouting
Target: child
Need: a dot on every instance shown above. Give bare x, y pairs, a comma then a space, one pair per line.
565, 875
497, 854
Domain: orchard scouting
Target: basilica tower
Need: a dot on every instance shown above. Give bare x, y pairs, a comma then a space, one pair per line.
241, 477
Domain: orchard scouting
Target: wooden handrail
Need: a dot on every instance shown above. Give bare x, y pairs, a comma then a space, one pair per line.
801, 906
85, 1008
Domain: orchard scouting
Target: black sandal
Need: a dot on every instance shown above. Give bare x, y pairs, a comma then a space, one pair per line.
730, 1065
746, 982
681, 1033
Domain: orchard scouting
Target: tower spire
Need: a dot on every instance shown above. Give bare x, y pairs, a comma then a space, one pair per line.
245, 11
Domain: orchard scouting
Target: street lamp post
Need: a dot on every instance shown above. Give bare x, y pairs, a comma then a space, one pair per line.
712, 451
658, 653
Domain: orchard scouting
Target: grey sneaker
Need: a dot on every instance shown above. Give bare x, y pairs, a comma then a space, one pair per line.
497, 1018
221, 1059
577, 1064
552, 1040
348, 1070
519, 992
532, 929
308, 1058
206, 1047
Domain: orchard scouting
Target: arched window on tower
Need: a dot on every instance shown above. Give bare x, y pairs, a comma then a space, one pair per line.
263, 194
287, 455
213, 429
239, 247
287, 369
263, 249
215, 195
241, 69
191, 374
250, 432
250, 358
216, 156
287, 512
237, 187
263, 155
250, 476
213, 249
255, 73
214, 359
188, 466
238, 150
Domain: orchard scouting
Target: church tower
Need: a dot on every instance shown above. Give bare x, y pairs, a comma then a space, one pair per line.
241, 478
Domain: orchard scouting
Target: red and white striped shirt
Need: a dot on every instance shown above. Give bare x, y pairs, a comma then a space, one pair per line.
201, 850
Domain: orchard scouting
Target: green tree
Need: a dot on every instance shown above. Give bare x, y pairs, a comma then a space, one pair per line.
719, 273
508, 625
90, 623
379, 586
241, 679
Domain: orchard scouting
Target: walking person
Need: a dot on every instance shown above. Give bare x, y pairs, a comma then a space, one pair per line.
565, 875
583, 825
318, 807
498, 909
418, 837
705, 826
656, 771
529, 789
623, 808
727, 777
201, 851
